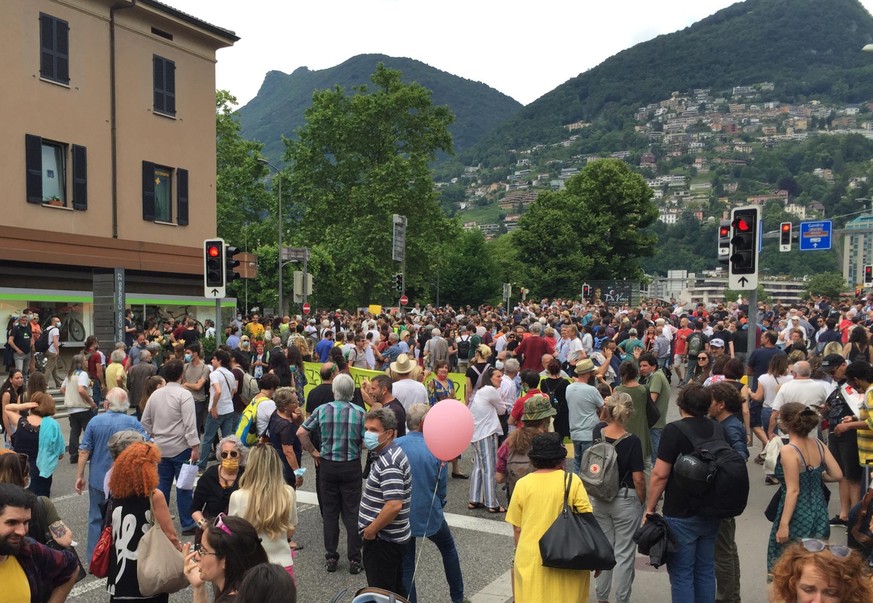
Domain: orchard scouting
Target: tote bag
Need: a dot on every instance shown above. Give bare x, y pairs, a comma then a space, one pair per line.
160, 568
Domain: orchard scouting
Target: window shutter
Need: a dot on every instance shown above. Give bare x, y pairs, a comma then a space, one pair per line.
33, 161
158, 82
182, 197
148, 191
170, 87
80, 177
62, 51
46, 47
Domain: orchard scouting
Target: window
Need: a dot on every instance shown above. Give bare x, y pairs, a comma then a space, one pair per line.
158, 184
54, 49
164, 85
48, 179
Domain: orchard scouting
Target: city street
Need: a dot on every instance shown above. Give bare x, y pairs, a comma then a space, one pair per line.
484, 543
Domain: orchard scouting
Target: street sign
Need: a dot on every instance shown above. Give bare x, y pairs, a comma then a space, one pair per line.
745, 237
816, 235
306, 308
398, 243
404, 300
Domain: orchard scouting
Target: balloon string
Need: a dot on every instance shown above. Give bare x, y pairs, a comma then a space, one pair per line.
426, 525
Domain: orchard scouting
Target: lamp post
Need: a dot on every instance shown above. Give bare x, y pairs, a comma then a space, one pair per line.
279, 175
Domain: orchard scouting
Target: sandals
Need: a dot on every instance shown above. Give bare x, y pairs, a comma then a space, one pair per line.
474, 506
496, 510
460, 476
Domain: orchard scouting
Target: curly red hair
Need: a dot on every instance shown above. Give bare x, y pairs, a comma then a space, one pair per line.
850, 576
135, 472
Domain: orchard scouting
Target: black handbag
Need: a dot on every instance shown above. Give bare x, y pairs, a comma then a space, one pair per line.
574, 540
652, 412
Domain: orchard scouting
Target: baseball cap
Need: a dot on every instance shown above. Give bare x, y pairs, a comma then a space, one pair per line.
717, 343
832, 361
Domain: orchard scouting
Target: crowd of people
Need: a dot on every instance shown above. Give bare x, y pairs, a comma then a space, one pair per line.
538, 380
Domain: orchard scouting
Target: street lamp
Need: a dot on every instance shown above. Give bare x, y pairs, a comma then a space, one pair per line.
279, 174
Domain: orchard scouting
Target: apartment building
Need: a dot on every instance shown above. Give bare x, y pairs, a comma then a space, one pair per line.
107, 156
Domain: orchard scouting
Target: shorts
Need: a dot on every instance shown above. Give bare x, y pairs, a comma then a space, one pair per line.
755, 415
846, 453
678, 360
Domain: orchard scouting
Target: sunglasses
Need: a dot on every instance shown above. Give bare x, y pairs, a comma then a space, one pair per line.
229, 453
702, 358
219, 523
814, 545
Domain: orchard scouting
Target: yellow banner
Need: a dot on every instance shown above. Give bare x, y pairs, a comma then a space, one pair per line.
313, 378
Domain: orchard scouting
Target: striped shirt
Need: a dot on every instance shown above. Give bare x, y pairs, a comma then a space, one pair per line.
341, 426
865, 436
390, 479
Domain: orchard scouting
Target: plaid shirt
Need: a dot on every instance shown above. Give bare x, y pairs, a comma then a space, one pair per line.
45, 568
341, 426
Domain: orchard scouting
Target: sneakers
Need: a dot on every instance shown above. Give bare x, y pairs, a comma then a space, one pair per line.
355, 567
836, 521
760, 459
330, 564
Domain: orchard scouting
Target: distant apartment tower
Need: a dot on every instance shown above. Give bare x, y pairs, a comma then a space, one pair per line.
107, 155
857, 249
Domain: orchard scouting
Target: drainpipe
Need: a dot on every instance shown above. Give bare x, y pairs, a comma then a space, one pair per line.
113, 121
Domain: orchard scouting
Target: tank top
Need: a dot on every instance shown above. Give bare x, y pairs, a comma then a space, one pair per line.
130, 522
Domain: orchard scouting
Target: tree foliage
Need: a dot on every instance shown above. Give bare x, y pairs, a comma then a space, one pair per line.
826, 283
360, 158
590, 230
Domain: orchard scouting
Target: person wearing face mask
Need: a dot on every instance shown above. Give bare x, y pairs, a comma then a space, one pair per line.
195, 378
218, 482
383, 518
51, 354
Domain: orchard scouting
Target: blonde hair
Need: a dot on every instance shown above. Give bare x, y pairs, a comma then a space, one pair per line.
619, 407
484, 351
270, 503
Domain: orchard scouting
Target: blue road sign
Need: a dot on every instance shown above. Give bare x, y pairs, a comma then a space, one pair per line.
815, 235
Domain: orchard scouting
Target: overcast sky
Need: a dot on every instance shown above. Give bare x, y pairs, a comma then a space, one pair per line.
523, 49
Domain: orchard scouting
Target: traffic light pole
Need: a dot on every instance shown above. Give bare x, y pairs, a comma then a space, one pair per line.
752, 321
219, 326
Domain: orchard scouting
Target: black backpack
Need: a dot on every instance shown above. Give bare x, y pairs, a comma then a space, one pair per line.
714, 477
41, 345
464, 348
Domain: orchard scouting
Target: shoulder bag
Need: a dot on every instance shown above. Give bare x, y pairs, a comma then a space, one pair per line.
652, 412
160, 568
575, 541
99, 564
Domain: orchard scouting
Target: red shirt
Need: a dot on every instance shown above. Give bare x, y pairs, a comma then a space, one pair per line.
532, 349
681, 340
518, 408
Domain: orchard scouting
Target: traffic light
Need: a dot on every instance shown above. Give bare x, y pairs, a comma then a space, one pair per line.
724, 241
213, 263
744, 242
586, 291
398, 281
868, 275
229, 264
785, 236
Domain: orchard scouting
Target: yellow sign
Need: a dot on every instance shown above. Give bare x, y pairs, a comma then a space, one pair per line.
313, 378
375, 309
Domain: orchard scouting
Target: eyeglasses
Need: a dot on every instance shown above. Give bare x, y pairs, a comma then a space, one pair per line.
198, 548
229, 453
219, 523
699, 358
814, 545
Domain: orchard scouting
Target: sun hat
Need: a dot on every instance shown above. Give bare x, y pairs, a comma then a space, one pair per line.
403, 365
538, 407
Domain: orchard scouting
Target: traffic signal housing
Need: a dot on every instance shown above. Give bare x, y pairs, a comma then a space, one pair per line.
785, 236
868, 275
213, 263
230, 274
744, 241
586, 291
398, 281
724, 241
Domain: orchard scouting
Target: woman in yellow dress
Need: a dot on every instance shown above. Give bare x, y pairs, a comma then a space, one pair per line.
536, 503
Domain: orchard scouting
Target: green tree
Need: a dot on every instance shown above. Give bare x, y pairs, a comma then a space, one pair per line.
826, 283
360, 158
590, 230
469, 273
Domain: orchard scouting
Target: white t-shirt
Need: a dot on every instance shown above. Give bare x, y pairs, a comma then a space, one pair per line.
53, 349
770, 384
72, 398
804, 391
265, 411
227, 382
484, 407
409, 392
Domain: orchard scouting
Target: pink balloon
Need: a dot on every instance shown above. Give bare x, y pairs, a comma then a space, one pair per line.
448, 429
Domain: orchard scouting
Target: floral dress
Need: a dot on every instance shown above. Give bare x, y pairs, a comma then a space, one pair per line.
810, 518
436, 391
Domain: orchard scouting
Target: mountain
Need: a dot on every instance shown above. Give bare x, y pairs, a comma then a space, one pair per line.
278, 109
806, 48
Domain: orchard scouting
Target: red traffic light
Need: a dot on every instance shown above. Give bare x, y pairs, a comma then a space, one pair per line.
742, 225
213, 251
786, 227
724, 231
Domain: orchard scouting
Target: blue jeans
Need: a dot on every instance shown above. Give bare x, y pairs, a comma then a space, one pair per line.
766, 413
96, 392
655, 439
95, 520
692, 566
224, 423
451, 564
168, 470
579, 449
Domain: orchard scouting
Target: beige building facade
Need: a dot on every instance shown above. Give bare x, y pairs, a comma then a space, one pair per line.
107, 152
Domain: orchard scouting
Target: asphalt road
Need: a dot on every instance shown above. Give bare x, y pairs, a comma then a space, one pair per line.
484, 543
